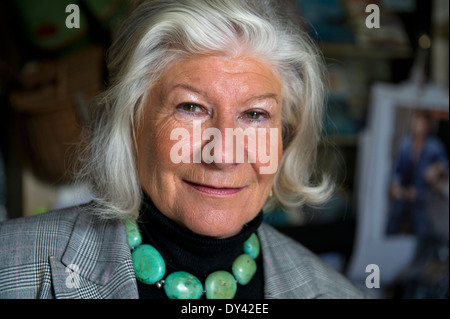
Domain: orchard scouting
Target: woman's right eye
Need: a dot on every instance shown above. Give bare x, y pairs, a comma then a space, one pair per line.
190, 108
191, 111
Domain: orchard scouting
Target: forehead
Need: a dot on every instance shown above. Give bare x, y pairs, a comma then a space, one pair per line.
221, 75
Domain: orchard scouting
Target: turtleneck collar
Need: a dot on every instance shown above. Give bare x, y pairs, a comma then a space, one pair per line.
184, 250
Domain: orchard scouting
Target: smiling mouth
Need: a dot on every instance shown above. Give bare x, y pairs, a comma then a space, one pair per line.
215, 191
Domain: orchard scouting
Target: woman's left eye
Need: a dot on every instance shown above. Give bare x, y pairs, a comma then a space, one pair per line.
256, 115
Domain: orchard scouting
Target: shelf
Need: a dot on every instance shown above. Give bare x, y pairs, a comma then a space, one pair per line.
340, 140
359, 51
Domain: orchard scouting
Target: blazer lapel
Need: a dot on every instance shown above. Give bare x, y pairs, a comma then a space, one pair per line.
96, 263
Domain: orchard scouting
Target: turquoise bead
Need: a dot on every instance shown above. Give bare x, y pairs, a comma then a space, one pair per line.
149, 266
252, 247
182, 285
133, 234
220, 285
244, 268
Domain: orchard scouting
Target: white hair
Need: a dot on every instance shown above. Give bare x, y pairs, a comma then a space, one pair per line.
158, 34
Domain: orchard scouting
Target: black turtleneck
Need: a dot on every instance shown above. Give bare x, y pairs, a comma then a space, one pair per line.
184, 250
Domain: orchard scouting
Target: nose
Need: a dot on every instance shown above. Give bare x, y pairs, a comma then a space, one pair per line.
226, 147
222, 151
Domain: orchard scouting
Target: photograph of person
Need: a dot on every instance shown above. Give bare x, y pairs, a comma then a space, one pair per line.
420, 159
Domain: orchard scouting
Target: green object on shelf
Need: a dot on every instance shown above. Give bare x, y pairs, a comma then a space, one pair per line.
44, 22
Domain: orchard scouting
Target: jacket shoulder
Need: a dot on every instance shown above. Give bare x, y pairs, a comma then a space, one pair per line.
293, 272
28, 237
41, 255
26, 244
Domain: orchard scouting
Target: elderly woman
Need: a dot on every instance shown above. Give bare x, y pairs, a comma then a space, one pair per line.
213, 110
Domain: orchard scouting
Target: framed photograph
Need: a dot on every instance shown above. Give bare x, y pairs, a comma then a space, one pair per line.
403, 180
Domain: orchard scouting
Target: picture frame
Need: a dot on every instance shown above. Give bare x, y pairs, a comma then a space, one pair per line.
391, 109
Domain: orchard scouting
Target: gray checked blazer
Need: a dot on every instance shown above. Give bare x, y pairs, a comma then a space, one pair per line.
70, 253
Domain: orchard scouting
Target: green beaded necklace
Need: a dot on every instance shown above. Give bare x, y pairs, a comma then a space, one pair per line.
150, 268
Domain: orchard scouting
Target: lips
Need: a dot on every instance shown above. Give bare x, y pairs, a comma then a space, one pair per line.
215, 191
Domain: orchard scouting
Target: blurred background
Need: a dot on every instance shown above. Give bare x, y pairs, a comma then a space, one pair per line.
378, 77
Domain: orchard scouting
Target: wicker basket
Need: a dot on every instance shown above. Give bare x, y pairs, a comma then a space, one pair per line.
53, 107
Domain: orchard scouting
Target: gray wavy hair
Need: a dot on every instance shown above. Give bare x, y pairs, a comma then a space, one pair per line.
158, 34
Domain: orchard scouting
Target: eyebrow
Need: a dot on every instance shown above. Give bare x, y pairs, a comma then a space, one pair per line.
205, 94
264, 97
190, 88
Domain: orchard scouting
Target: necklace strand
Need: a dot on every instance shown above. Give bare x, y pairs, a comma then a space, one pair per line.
150, 268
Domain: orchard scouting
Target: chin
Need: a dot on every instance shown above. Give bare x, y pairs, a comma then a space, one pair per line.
216, 225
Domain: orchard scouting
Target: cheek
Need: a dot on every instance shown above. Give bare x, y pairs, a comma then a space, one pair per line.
153, 149
269, 151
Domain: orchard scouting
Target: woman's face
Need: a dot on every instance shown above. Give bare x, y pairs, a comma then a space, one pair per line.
185, 162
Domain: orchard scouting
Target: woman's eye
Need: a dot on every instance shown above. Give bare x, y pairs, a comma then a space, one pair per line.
256, 115
189, 107
189, 111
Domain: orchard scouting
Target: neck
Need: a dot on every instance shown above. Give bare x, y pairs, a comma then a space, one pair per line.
187, 251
